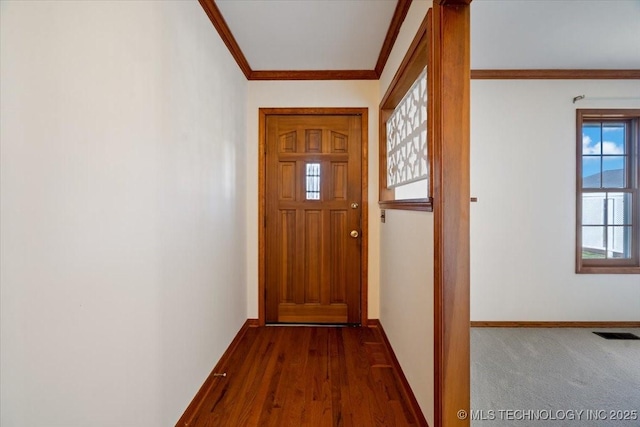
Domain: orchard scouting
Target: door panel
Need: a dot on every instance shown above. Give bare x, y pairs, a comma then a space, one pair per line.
312, 198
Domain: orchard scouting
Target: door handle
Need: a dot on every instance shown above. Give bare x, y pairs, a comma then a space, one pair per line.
354, 233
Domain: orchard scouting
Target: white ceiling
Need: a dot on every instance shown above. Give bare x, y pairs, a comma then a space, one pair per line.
309, 34
548, 34
509, 34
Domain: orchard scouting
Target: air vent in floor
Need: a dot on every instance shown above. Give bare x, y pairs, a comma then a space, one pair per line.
617, 335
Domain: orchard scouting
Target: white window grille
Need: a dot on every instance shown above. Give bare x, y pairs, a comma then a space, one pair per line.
407, 159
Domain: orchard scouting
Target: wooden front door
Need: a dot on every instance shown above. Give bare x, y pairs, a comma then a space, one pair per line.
313, 221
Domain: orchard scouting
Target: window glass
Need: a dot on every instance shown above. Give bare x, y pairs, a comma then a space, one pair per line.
313, 181
608, 193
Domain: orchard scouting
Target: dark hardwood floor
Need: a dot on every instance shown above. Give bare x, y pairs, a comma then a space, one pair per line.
305, 376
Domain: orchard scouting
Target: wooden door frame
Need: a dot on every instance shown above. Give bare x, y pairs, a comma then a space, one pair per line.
262, 158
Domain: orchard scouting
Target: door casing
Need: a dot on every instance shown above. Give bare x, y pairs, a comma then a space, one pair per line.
262, 144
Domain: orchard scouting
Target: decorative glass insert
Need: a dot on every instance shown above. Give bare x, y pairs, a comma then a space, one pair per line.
313, 181
407, 159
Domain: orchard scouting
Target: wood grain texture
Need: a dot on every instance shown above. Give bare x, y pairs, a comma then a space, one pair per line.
582, 269
394, 361
400, 13
313, 264
313, 75
551, 74
424, 205
313, 111
410, 68
262, 218
364, 272
453, 2
449, 69
211, 380
544, 324
306, 376
357, 314
227, 37
384, 192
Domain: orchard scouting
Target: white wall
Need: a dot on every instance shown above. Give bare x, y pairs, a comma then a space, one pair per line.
406, 298
523, 154
280, 94
406, 263
122, 211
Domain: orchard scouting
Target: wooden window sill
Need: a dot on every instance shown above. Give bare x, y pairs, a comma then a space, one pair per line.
424, 205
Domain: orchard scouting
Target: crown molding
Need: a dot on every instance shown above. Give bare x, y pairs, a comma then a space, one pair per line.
227, 37
216, 18
453, 2
402, 8
314, 75
555, 74
399, 15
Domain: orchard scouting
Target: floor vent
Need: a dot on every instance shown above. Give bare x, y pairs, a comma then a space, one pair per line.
617, 335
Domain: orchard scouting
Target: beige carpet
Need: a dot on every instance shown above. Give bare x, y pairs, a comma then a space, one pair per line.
554, 377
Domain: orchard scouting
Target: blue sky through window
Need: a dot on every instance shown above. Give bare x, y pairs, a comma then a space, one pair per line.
603, 149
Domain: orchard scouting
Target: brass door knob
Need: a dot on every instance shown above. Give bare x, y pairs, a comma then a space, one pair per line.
354, 233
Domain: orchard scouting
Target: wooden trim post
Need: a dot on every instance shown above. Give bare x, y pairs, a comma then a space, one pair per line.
451, 114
